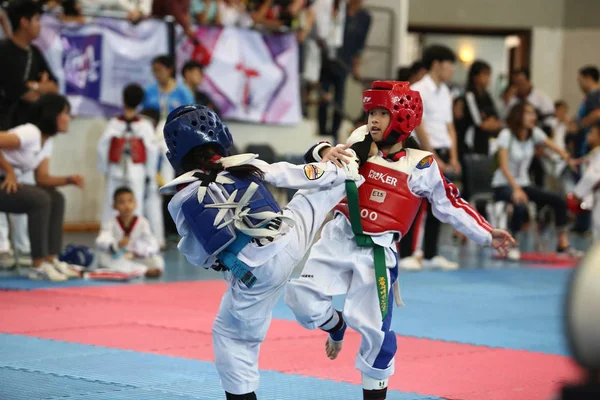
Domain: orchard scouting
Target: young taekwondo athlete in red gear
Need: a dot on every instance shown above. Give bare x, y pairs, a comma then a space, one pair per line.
356, 255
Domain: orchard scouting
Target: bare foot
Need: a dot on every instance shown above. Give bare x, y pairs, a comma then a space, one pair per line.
153, 273
333, 348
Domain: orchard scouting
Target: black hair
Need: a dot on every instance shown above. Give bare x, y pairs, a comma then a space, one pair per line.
22, 9
590, 71
190, 65
70, 7
152, 114
133, 95
403, 74
122, 190
165, 61
416, 67
200, 158
560, 103
478, 67
45, 110
524, 71
438, 53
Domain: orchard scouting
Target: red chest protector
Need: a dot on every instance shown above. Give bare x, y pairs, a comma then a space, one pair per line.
386, 203
137, 150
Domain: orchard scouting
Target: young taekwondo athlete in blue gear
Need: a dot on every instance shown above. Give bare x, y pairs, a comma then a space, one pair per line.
228, 220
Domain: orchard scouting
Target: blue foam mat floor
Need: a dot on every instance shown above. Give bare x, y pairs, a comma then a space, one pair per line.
32, 368
516, 308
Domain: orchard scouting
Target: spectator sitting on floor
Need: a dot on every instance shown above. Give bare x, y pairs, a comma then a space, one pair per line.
126, 244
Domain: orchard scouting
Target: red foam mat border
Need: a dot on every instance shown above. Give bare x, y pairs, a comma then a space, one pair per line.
167, 319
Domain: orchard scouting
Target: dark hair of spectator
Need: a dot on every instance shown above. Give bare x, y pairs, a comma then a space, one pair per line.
524, 71
514, 120
165, 61
560, 103
190, 65
70, 7
416, 67
45, 110
22, 9
152, 114
437, 53
590, 71
133, 95
120, 191
200, 158
403, 74
478, 67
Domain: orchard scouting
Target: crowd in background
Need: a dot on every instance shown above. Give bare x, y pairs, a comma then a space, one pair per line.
531, 150
534, 144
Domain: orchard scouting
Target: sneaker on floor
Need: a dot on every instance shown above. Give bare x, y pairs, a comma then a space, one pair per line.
514, 254
570, 251
46, 272
7, 260
410, 263
24, 259
440, 262
68, 270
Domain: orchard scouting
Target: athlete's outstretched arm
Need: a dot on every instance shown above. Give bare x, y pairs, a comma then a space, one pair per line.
427, 180
308, 176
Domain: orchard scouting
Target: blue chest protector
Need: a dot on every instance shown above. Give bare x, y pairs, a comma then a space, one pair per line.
225, 216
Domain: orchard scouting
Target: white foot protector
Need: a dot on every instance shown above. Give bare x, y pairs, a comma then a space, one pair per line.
333, 348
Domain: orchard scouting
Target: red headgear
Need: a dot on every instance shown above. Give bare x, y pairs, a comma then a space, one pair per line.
403, 104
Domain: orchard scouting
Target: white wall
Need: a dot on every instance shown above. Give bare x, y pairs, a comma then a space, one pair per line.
547, 60
489, 13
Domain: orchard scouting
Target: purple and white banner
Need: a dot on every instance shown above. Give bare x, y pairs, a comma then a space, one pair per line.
249, 75
95, 61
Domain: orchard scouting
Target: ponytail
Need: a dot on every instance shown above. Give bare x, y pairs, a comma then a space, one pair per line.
205, 158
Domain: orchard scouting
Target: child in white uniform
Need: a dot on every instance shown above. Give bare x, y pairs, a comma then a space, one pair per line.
587, 189
126, 244
356, 255
126, 152
229, 220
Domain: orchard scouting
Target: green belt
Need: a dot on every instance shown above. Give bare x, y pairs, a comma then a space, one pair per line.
363, 240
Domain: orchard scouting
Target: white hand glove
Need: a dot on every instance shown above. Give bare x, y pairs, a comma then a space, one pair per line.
351, 170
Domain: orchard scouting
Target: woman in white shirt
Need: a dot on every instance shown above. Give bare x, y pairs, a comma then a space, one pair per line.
516, 148
28, 147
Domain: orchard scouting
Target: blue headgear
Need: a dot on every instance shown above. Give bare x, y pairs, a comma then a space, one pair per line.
191, 126
77, 255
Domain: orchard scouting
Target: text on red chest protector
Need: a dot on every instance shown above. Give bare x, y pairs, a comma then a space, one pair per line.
382, 177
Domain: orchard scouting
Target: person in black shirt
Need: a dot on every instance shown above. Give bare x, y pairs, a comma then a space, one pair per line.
481, 116
24, 72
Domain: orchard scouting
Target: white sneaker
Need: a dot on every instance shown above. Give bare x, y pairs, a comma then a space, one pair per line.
411, 263
441, 262
514, 254
24, 259
68, 270
7, 259
46, 272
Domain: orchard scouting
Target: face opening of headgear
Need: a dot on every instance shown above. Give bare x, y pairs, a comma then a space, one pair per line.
404, 105
191, 126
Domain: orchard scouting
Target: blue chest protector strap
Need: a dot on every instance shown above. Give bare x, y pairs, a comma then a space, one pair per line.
239, 269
